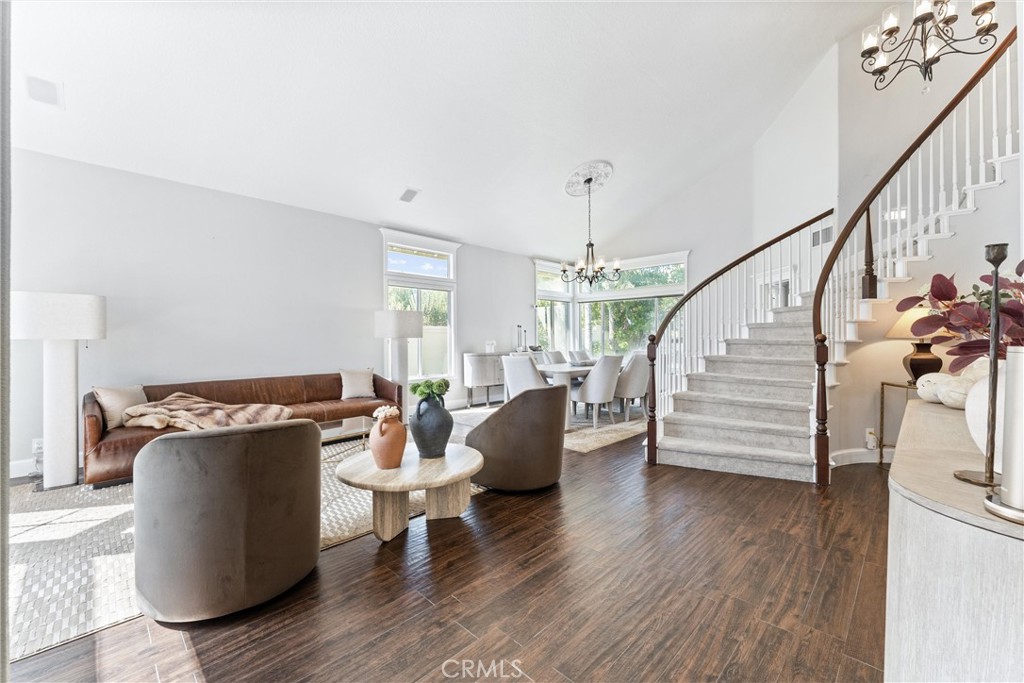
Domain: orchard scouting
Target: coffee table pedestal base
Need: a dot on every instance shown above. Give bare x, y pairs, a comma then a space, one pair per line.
448, 501
390, 513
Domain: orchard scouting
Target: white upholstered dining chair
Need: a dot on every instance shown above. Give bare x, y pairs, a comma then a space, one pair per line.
521, 374
632, 383
554, 357
598, 389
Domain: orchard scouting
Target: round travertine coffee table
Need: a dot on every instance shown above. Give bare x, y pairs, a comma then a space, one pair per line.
445, 480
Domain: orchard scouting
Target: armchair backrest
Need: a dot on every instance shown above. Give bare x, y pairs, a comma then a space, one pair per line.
554, 357
522, 441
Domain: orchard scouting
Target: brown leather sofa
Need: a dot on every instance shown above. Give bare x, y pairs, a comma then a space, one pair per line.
110, 453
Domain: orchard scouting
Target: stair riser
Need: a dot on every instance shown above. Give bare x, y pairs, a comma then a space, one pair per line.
722, 463
744, 389
797, 317
782, 333
717, 433
767, 370
789, 350
742, 412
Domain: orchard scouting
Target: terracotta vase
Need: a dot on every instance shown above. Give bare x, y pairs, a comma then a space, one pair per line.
387, 443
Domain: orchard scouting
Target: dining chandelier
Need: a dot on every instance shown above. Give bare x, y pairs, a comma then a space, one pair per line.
929, 38
584, 180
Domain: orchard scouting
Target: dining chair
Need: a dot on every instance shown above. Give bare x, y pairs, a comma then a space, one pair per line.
599, 387
578, 355
554, 357
521, 374
632, 383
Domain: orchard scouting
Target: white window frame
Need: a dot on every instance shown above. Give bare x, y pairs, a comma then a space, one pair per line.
400, 238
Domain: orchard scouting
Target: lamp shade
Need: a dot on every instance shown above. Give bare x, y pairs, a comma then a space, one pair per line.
52, 315
398, 324
901, 330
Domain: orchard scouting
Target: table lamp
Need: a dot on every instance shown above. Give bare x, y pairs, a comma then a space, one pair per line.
921, 360
59, 320
398, 327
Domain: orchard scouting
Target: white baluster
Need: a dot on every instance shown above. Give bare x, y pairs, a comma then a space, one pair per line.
982, 162
920, 192
942, 166
993, 81
1008, 144
968, 171
955, 199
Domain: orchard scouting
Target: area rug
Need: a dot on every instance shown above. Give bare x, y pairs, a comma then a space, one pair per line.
72, 566
581, 437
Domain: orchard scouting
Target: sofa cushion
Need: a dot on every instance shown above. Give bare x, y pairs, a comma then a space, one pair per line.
115, 400
357, 384
308, 411
352, 407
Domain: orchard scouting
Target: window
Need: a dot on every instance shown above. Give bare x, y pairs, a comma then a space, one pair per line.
645, 276
621, 326
420, 276
553, 324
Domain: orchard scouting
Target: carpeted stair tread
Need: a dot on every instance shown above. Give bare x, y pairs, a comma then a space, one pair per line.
682, 445
761, 360
748, 379
795, 406
742, 425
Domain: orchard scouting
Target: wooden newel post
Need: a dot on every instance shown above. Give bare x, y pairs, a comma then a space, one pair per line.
822, 472
869, 282
652, 419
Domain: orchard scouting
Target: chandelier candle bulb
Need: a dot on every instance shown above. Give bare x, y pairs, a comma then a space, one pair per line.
891, 21
881, 64
869, 39
932, 49
949, 14
923, 12
986, 22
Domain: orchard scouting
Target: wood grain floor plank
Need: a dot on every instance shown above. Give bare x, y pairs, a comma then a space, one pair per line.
854, 671
762, 654
866, 641
816, 657
786, 605
830, 607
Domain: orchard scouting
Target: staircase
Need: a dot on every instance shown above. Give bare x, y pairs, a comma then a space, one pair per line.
739, 383
749, 412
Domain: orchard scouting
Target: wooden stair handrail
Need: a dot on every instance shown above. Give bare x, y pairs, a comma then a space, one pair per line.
732, 264
833, 256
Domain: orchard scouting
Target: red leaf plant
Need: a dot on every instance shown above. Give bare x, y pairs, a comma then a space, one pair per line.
966, 318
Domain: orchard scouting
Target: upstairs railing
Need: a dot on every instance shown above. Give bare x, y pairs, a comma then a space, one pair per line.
745, 291
910, 205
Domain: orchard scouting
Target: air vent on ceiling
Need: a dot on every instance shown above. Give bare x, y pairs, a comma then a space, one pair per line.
408, 195
47, 92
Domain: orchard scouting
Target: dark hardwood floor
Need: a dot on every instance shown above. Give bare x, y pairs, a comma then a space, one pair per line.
623, 572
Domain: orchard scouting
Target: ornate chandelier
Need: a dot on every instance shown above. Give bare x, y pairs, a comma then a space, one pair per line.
584, 180
929, 38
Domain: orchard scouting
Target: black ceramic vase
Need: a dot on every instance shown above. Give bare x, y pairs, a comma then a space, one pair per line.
431, 425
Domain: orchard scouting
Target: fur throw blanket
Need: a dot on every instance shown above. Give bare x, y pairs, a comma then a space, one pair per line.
190, 413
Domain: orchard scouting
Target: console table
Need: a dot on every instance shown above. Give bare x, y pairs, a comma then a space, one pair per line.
954, 589
482, 370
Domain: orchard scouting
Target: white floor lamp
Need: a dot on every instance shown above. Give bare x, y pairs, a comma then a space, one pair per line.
60, 320
398, 327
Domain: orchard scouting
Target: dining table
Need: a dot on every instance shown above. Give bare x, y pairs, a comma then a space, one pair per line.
564, 373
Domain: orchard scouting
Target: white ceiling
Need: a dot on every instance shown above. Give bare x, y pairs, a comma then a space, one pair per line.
484, 107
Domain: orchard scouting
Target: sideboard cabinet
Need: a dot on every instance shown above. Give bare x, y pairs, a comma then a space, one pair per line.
482, 370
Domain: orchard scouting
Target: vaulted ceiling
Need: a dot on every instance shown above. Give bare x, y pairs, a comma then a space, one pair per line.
484, 107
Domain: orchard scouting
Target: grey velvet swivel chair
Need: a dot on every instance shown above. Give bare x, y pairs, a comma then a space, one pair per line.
522, 441
225, 518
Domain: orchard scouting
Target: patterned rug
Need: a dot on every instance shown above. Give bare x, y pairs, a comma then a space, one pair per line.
581, 437
72, 566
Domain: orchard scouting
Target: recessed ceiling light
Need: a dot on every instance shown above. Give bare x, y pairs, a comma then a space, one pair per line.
47, 92
408, 195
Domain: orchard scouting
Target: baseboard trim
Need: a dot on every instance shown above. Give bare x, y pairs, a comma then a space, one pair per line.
22, 468
858, 456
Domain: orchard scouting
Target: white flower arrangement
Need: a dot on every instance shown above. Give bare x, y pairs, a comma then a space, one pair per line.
386, 413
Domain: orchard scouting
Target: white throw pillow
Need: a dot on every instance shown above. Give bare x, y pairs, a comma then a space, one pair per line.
115, 400
357, 384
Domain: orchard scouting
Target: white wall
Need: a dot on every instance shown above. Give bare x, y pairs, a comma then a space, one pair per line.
796, 161
712, 218
203, 284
